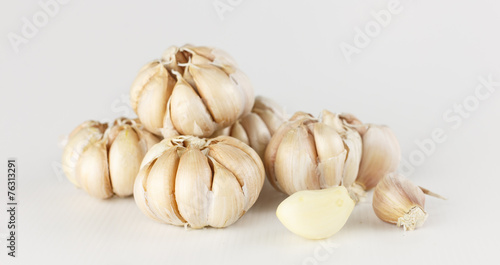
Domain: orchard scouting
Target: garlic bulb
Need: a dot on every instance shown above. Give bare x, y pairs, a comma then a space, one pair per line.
398, 201
381, 155
105, 161
316, 214
186, 180
257, 128
191, 91
307, 153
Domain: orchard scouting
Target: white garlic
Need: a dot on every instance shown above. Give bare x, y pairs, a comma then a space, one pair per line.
316, 214
105, 161
306, 153
398, 201
192, 91
381, 155
186, 180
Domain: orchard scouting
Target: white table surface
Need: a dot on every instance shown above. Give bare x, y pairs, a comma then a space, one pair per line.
80, 65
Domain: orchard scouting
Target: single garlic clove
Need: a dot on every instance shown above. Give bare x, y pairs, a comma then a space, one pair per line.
140, 197
92, 172
192, 188
381, 155
296, 167
398, 201
272, 148
222, 98
228, 203
249, 175
354, 148
237, 131
270, 112
153, 99
241, 81
160, 187
316, 214
257, 133
331, 155
125, 156
188, 113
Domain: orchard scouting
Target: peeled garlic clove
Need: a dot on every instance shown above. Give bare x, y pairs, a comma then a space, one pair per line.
125, 156
381, 155
92, 172
398, 201
316, 214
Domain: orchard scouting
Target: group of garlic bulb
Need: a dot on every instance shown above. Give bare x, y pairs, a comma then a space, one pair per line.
202, 144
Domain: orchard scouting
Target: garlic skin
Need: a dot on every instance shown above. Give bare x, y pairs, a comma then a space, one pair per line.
257, 128
186, 180
191, 91
307, 153
105, 160
316, 214
381, 155
398, 201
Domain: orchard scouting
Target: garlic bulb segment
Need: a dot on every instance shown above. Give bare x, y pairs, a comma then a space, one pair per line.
381, 155
306, 153
213, 94
398, 201
103, 160
257, 128
186, 180
316, 214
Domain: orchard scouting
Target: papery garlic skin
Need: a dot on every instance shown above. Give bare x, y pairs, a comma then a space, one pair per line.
398, 201
104, 161
191, 91
381, 155
307, 153
257, 128
186, 180
316, 214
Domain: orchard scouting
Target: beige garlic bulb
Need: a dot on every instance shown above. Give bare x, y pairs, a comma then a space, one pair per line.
186, 180
105, 161
398, 201
381, 155
308, 153
257, 128
191, 91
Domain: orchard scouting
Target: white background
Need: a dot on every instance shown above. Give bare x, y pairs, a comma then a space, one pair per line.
428, 58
